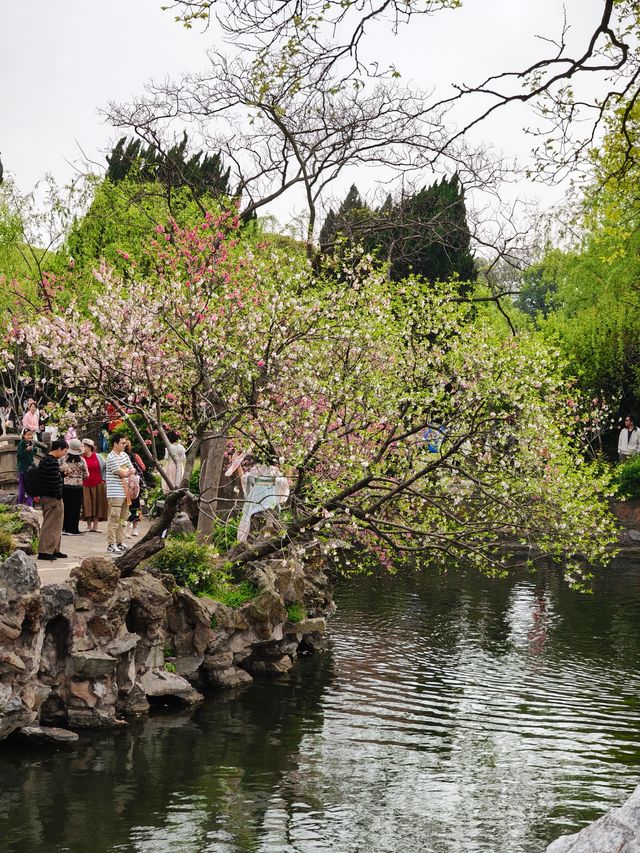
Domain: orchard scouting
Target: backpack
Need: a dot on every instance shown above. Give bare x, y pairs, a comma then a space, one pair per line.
33, 481
133, 485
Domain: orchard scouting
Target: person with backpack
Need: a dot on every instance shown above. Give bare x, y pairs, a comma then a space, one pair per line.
74, 469
50, 489
135, 484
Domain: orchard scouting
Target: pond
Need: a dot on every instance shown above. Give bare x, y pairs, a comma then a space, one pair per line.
453, 713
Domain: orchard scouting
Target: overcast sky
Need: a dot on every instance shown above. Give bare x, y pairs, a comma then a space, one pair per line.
62, 60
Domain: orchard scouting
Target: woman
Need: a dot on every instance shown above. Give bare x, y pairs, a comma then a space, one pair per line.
74, 470
264, 489
26, 452
94, 493
135, 484
174, 469
31, 418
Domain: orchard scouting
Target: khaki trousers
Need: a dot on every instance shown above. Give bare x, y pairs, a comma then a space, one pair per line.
117, 522
51, 531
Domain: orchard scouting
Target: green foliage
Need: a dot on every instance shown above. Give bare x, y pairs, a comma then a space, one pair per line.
424, 235
224, 534
201, 172
194, 565
296, 613
188, 561
539, 287
9, 521
121, 220
590, 295
6, 544
194, 479
154, 495
170, 667
234, 595
626, 479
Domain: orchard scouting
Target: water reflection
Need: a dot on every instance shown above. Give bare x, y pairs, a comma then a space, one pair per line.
455, 713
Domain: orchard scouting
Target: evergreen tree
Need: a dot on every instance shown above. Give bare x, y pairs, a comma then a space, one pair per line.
425, 234
203, 173
352, 220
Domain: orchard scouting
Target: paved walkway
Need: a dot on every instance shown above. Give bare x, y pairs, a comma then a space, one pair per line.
79, 547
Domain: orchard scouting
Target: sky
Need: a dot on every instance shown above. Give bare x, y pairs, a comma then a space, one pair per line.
63, 60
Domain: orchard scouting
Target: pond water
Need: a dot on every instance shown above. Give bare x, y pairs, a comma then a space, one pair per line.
453, 713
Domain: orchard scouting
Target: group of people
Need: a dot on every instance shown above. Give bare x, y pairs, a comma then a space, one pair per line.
75, 482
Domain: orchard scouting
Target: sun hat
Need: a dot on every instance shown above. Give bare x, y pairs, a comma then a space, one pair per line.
75, 445
89, 442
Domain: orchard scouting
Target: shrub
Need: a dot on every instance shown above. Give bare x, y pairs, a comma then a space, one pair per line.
224, 534
234, 595
194, 479
6, 544
296, 613
193, 565
9, 521
626, 479
189, 562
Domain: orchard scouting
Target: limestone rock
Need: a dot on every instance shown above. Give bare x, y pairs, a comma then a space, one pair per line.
14, 714
221, 660
265, 611
30, 520
289, 580
10, 628
160, 684
226, 679
92, 718
149, 599
51, 734
92, 664
313, 643
181, 524
270, 667
19, 574
135, 702
306, 626
123, 645
10, 661
618, 830
274, 650
188, 665
96, 578
55, 598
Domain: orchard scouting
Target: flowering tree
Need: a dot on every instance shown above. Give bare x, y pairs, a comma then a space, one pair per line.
338, 378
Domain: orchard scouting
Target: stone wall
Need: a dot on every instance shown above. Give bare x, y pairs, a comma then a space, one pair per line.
92, 651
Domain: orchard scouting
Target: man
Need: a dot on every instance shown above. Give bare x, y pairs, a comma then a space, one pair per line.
118, 467
629, 441
51, 481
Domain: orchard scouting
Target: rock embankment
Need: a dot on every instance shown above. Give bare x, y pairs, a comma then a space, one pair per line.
92, 651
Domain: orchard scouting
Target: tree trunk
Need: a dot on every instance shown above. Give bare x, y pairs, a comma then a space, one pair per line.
212, 456
192, 455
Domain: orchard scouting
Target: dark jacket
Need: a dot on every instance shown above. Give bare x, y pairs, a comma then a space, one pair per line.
25, 457
51, 479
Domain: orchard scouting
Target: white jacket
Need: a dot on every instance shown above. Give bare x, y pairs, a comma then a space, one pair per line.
629, 446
